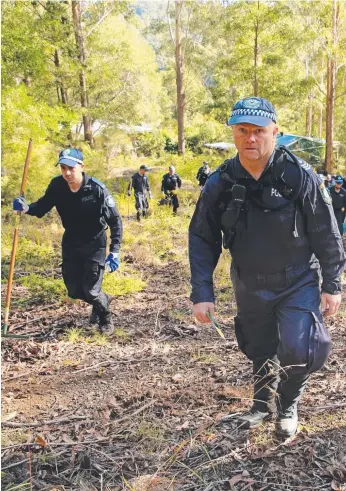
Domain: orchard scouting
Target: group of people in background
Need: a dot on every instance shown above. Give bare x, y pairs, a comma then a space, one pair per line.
336, 186
139, 182
171, 182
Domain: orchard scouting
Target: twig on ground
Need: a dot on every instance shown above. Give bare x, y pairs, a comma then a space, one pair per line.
43, 423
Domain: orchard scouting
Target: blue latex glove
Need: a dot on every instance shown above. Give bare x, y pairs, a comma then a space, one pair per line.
112, 262
20, 204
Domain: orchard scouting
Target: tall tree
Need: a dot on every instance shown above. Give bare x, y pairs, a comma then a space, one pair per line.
76, 14
179, 64
331, 86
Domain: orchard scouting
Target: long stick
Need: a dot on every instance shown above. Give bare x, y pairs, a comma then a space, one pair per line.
15, 241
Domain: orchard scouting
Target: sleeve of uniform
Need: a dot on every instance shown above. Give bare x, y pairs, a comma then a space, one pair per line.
147, 184
205, 241
324, 237
44, 204
179, 182
113, 220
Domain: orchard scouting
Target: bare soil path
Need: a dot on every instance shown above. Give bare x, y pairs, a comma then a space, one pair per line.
142, 412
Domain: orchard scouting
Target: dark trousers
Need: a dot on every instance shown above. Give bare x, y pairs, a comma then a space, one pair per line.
279, 314
174, 200
83, 268
141, 202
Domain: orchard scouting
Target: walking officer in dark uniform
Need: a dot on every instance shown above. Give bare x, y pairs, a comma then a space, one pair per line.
140, 184
338, 195
171, 182
86, 209
203, 174
275, 216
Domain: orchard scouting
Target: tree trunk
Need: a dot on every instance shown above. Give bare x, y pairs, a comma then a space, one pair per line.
331, 81
76, 12
62, 94
309, 115
255, 55
179, 63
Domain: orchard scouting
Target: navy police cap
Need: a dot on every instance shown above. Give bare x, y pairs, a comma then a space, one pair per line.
253, 110
70, 157
339, 180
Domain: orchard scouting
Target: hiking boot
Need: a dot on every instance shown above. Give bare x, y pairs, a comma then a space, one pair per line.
287, 423
138, 216
266, 381
289, 392
94, 316
107, 326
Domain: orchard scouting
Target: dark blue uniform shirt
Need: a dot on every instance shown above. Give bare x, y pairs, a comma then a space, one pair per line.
170, 183
84, 214
139, 183
267, 240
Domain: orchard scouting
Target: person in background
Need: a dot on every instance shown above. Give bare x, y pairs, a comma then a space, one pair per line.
338, 195
86, 209
203, 174
140, 185
171, 182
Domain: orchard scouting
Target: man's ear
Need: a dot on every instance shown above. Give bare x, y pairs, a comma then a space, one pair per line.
275, 130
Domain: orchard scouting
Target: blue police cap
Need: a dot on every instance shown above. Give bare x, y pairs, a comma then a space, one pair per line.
339, 180
254, 110
70, 157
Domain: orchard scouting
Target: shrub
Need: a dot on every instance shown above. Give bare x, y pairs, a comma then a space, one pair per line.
44, 288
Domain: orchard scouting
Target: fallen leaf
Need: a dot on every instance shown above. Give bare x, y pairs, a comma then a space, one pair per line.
41, 441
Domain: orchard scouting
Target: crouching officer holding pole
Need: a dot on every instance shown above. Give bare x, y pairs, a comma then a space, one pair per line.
86, 209
275, 216
140, 184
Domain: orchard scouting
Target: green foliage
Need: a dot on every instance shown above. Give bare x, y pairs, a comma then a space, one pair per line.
117, 284
43, 288
150, 144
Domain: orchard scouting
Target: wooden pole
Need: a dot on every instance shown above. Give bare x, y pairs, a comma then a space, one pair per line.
15, 241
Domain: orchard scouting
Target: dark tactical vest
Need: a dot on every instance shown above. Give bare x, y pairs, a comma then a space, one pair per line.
262, 222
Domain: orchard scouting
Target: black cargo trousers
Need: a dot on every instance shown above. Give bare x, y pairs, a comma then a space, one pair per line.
83, 267
279, 320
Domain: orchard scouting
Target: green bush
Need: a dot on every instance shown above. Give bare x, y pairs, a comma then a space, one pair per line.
44, 288
118, 284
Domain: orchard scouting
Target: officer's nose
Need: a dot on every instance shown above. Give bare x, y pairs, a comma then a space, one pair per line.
251, 137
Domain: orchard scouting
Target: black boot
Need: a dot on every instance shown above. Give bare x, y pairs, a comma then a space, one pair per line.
101, 303
289, 392
266, 375
138, 216
94, 317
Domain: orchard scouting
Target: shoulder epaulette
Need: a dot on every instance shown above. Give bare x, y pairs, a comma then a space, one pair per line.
98, 182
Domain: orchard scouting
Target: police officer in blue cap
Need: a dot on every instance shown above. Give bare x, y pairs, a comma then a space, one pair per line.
274, 215
338, 195
140, 184
86, 209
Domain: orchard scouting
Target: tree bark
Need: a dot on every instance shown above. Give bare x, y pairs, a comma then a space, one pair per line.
331, 85
62, 93
179, 63
76, 13
255, 55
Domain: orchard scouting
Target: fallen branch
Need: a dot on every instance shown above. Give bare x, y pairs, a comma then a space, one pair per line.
43, 423
130, 416
111, 362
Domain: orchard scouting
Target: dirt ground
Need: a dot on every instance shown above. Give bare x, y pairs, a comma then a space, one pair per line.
143, 411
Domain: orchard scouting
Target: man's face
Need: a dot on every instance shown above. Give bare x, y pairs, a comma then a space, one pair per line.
338, 186
72, 175
142, 172
254, 142
171, 172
